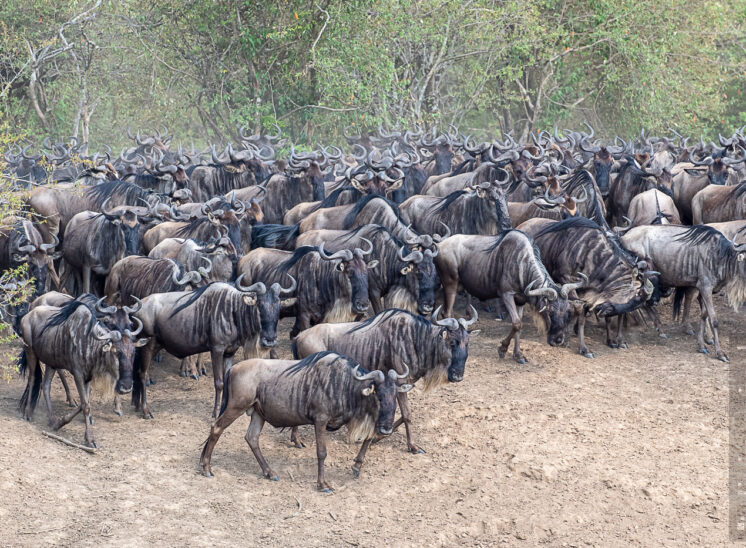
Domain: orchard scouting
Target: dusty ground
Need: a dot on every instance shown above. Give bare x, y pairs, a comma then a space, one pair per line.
630, 448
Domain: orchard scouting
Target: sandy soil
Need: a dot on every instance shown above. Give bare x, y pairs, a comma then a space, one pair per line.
630, 448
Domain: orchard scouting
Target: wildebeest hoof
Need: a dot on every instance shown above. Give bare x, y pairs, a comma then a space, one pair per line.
356, 472
587, 354
520, 359
91, 444
416, 450
299, 444
203, 372
195, 376
158, 358
689, 331
118, 412
611, 344
722, 357
501, 353
662, 335
207, 472
709, 341
622, 345
703, 350
274, 477
325, 488
147, 416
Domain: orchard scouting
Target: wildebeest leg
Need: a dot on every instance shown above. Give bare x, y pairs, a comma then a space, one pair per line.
320, 428
31, 363
86, 280
449, 296
360, 458
83, 391
117, 405
620, 342
218, 371
227, 418
609, 341
295, 439
140, 397
705, 295
252, 438
302, 322
657, 321
377, 303
688, 298
46, 385
405, 418
582, 348
68, 396
516, 324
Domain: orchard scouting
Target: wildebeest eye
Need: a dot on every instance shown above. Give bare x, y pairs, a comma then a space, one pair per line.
444, 335
341, 267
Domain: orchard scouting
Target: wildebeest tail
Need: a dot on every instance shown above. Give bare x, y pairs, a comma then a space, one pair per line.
678, 298
226, 383
32, 389
137, 377
275, 236
294, 349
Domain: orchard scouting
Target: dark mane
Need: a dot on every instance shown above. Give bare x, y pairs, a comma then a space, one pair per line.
189, 299
364, 201
191, 227
739, 190
313, 359
274, 236
443, 204
583, 179
128, 192
386, 315
331, 200
374, 231
571, 222
703, 234
297, 255
68, 310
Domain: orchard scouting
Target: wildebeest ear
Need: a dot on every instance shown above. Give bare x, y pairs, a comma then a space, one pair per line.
444, 334
742, 256
284, 303
340, 267
406, 270
405, 387
475, 332
249, 300
372, 264
108, 346
368, 391
141, 342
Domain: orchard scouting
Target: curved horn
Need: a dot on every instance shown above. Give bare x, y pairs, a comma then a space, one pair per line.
276, 287
372, 375
412, 257
133, 309
547, 292
100, 333
446, 234
566, 288
175, 276
104, 309
133, 334
370, 250
204, 271
344, 254
46, 248
394, 376
259, 288
449, 323
474, 317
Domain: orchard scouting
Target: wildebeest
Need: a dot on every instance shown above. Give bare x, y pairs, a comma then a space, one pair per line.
72, 338
483, 210
653, 207
192, 254
21, 243
629, 182
217, 318
694, 257
508, 267
405, 279
331, 288
230, 171
325, 389
200, 228
95, 241
434, 352
717, 204
578, 245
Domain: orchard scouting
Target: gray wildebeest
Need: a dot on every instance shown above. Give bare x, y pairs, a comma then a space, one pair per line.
404, 279
217, 318
21, 243
697, 257
90, 348
578, 245
508, 267
325, 389
653, 207
331, 288
718, 204
434, 352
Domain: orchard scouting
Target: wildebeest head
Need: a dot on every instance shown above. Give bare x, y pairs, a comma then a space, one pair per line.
554, 308
455, 336
128, 224
268, 304
385, 388
27, 247
717, 166
114, 329
352, 264
420, 265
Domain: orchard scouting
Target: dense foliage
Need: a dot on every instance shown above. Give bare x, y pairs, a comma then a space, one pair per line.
206, 66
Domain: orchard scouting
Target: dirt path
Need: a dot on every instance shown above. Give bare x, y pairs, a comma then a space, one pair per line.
630, 448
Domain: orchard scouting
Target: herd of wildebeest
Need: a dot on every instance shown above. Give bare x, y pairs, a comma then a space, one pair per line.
188, 252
